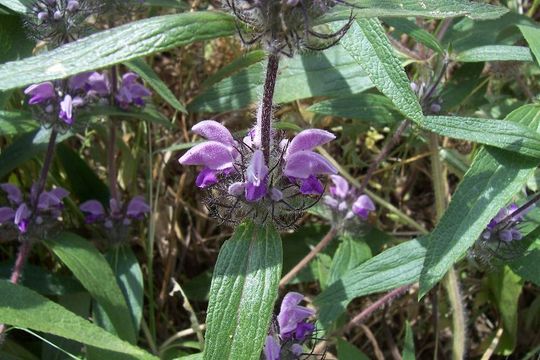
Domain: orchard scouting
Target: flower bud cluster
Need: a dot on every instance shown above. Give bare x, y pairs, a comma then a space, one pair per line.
56, 103
346, 206
503, 227
35, 217
242, 183
284, 26
118, 218
293, 330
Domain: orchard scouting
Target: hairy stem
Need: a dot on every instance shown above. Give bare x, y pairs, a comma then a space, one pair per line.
384, 152
303, 263
266, 106
46, 166
112, 171
450, 282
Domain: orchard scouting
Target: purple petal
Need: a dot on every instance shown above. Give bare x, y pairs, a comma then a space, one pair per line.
257, 169
51, 199
14, 195
59, 192
340, 188
505, 235
236, 189
6, 214
137, 208
78, 82
308, 140
312, 186
93, 207
255, 193
212, 154
271, 349
115, 208
22, 217
303, 164
291, 314
330, 201
363, 206
66, 110
40, 92
212, 130
99, 83
207, 177
297, 349
129, 78
303, 330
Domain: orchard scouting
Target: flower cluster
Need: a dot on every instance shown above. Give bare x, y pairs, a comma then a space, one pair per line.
242, 182
42, 210
284, 26
56, 103
345, 203
293, 331
503, 227
117, 218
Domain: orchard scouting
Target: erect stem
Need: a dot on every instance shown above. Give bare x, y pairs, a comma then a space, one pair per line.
22, 254
111, 152
267, 102
40, 185
303, 263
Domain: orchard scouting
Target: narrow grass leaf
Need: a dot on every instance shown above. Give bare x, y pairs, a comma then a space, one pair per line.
493, 178
120, 44
416, 32
25, 308
93, 271
243, 291
495, 53
367, 43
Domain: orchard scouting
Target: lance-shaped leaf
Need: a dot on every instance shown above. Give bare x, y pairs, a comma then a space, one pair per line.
532, 35
25, 308
493, 178
16, 122
120, 44
495, 53
93, 271
243, 291
367, 43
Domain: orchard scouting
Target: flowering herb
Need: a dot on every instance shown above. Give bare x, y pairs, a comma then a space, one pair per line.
346, 205
293, 329
35, 217
283, 27
242, 184
117, 219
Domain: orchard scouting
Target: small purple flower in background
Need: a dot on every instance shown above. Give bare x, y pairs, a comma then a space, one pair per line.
241, 183
117, 218
131, 92
503, 225
293, 329
42, 210
345, 202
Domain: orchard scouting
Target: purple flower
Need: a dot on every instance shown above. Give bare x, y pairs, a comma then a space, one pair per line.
256, 184
93, 210
137, 208
116, 215
345, 201
503, 225
66, 110
271, 349
40, 93
131, 92
291, 315
363, 206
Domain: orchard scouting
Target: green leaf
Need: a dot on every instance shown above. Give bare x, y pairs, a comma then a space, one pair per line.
493, 178
346, 351
408, 345
238, 64
18, 6
13, 40
437, 9
503, 134
244, 289
506, 288
84, 183
120, 44
417, 33
148, 74
149, 113
95, 274
400, 265
370, 108
350, 254
16, 122
367, 43
532, 35
526, 266
495, 53
27, 309
328, 73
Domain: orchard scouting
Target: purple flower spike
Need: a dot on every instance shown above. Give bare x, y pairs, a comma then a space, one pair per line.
291, 314
271, 349
211, 154
137, 208
212, 130
66, 110
363, 206
304, 164
207, 177
14, 195
340, 188
309, 140
93, 210
40, 93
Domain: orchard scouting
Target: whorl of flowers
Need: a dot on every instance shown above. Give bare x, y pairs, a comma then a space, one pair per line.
285, 341
242, 184
284, 26
56, 103
34, 217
